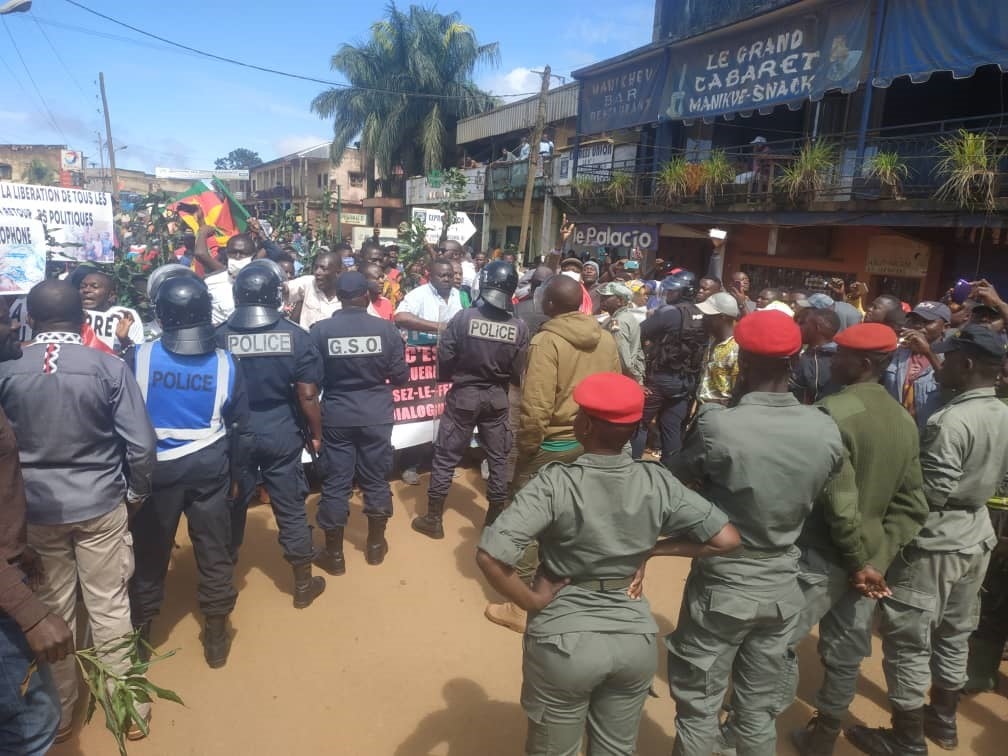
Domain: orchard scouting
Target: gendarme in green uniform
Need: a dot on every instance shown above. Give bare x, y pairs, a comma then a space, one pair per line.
762, 463
591, 652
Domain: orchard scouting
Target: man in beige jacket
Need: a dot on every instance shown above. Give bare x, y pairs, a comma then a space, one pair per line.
569, 347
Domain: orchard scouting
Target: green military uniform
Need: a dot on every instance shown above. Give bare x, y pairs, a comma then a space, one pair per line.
867, 513
926, 624
763, 463
590, 654
625, 328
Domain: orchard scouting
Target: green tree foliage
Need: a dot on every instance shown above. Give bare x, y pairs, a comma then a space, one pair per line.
40, 174
238, 159
430, 58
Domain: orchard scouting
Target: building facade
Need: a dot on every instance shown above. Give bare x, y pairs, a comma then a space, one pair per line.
826, 136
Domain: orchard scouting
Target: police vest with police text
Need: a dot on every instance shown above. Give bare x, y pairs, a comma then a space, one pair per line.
185, 397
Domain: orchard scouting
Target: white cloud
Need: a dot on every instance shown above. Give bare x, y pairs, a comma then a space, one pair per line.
515, 84
629, 27
297, 142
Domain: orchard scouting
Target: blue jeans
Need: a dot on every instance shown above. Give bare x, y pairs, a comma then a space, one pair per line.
27, 723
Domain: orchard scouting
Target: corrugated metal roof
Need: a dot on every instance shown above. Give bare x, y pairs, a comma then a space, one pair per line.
561, 103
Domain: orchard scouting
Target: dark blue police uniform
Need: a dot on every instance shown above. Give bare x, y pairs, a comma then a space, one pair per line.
364, 358
273, 359
199, 409
481, 351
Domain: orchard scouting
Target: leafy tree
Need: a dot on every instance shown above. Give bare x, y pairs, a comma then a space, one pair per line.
238, 159
40, 174
423, 62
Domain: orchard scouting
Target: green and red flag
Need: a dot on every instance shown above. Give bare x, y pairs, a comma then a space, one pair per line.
220, 209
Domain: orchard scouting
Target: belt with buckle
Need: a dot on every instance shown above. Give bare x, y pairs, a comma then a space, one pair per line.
606, 585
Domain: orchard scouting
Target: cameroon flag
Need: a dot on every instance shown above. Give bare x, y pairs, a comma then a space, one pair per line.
220, 209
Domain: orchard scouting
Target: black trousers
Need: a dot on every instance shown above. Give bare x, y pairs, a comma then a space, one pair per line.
466, 408
276, 460
364, 453
993, 625
671, 409
196, 485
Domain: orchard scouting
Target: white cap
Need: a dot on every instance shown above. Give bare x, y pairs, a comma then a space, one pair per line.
721, 303
759, 140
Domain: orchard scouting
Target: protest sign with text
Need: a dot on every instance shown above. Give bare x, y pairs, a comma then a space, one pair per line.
78, 221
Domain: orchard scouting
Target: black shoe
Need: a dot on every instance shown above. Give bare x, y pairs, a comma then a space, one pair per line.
940, 718
216, 641
331, 560
306, 587
494, 511
818, 737
377, 545
430, 524
906, 738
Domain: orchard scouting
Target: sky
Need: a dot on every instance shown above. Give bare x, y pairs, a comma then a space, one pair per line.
176, 109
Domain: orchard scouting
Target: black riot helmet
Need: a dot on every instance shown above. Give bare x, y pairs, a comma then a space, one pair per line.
258, 295
681, 281
162, 274
497, 283
183, 308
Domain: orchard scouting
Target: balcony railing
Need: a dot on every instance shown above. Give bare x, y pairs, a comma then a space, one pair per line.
760, 180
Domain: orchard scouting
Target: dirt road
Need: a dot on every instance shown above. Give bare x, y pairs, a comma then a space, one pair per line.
398, 660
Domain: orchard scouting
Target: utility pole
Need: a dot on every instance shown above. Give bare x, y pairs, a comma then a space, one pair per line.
101, 157
533, 161
108, 139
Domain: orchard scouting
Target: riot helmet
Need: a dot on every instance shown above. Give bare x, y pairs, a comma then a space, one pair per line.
497, 283
183, 308
681, 281
162, 274
258, 295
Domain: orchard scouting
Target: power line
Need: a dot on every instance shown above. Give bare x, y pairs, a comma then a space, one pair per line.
264, 69
59, 57
31, 78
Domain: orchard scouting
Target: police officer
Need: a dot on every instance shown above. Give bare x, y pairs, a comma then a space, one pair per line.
676, 341
364, 358
197, 403
481, 351
282, 371
762, 463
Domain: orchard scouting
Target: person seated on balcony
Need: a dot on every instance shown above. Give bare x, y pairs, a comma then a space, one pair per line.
524, 149
546, 146
505, 157
762, 169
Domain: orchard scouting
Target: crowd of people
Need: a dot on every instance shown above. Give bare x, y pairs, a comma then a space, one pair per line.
824, 463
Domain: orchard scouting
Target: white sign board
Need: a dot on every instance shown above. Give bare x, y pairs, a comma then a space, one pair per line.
461, 231
71, 160
353, 219
195, 174
419, 191
899, 256
80, 221
22, 254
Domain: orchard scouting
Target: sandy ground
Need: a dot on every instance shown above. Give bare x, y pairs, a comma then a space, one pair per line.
398, 659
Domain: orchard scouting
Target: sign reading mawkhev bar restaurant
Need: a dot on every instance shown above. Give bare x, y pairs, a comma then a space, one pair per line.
794, 55
624, 97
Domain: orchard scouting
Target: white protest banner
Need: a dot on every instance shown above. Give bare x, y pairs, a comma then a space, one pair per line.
195, 174
22, 254
460, 231
80, 221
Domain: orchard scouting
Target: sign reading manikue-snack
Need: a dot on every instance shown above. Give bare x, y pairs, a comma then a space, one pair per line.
795, 56
627, 96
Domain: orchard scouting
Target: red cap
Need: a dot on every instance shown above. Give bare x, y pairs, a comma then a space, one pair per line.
770, 333
611, 397
867, 337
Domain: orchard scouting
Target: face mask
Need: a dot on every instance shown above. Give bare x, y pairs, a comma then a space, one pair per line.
236, 264
572, 274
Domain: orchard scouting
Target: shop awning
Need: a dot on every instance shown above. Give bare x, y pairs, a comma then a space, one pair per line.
921, 37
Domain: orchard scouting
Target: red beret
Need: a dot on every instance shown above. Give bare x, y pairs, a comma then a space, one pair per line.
867, 337
611, 397
770, 333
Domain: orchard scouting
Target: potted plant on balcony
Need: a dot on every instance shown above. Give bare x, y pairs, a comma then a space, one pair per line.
890, 170
670, 183
970, 164
808, 174
619, 188
717, 171
584, 187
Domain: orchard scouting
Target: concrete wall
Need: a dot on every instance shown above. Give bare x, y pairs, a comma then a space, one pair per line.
18, 157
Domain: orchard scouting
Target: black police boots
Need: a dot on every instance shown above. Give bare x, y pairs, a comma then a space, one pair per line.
331, 560
306, 587
906, 738
216, 641
430, 523
940, 718
818, 737
377, 546
493, 512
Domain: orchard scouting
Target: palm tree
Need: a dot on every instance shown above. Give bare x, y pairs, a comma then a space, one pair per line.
39, 173
409, 84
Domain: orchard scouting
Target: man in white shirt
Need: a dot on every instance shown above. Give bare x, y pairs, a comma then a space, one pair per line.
426, 309
316, 293
524, 149
116, 327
